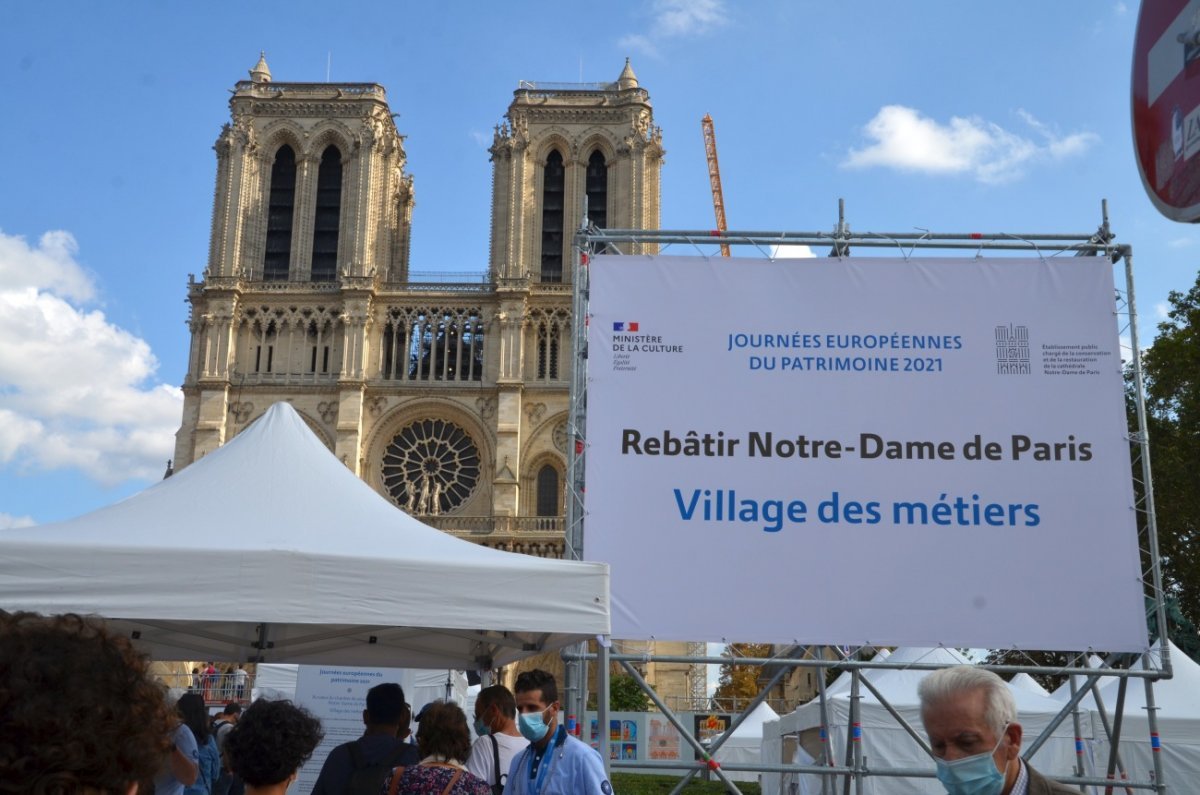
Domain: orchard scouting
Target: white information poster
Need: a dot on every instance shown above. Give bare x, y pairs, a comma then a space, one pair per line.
338, 695
870, 451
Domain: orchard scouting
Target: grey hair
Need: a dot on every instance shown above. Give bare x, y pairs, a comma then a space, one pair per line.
1000, 709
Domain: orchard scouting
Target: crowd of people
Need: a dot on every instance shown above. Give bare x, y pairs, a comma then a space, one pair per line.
80, 714
217, 685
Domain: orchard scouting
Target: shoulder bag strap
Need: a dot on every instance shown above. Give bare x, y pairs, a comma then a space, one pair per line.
495, 759
453, 780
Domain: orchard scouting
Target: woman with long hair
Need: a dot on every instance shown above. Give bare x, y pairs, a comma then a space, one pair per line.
444, 743
192, 709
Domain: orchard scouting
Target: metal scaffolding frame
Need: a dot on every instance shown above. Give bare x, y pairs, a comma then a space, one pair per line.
852, 772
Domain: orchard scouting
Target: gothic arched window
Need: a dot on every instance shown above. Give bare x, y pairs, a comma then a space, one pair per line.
548, 497
329, 210
279, 216
553, 203
597, 190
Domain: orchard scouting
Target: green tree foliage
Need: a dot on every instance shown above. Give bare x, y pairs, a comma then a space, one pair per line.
739, 683
1171, 372
624, 695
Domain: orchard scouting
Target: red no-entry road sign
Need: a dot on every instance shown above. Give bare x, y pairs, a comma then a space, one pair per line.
1166, 105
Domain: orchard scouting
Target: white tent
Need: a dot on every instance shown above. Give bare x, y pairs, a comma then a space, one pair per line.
270, 549
744, 746
885, 744
1024, 681
1178, 714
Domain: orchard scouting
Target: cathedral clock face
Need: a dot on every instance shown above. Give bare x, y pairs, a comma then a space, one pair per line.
430, 467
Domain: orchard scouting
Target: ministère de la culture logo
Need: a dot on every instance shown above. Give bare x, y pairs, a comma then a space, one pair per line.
630, 345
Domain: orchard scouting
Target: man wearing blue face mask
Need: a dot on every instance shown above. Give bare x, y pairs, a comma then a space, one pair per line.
499, 741
555, 763
971, 719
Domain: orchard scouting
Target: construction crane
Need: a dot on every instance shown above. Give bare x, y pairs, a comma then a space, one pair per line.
714, 177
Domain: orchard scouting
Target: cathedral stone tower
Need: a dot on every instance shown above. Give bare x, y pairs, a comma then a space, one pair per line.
561, 146
448, 395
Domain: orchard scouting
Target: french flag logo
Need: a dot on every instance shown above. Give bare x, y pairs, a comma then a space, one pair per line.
626, 326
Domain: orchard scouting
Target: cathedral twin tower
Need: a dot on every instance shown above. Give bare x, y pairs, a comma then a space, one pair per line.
450, 399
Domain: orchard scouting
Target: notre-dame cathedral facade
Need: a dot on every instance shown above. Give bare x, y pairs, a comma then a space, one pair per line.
449, 396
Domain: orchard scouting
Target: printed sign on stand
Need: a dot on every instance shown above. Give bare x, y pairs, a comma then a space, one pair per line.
866, 451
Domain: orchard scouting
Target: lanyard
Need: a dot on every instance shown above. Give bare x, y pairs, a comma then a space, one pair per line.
543, 773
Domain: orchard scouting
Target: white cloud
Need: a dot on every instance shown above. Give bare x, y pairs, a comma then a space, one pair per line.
1181, 242
636, 42
8, 521
687, 17
903, 139
791, 251
481, 139
675, 19
49, 266
76, 391
1161, 310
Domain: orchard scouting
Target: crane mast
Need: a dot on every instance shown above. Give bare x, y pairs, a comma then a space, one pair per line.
714, 177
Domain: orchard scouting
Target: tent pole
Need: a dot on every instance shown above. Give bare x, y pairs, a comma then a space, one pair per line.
1152, 718
1079, 769
602, 704
826, 747
852, 730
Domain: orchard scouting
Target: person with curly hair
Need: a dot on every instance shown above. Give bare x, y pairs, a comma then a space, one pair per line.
269, 743
192, 709
444, 742
80, 711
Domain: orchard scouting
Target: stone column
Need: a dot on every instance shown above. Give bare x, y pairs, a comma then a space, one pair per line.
303, 217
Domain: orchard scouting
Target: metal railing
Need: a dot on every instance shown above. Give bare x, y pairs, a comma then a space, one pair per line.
216, 689
523, 526
543, 87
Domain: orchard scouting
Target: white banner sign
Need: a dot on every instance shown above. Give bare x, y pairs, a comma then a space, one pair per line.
338, 697
872, 451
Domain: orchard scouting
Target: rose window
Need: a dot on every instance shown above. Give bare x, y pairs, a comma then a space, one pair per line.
430, 467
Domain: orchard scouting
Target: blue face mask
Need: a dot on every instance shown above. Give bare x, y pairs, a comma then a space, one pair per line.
532, 727
972, 775
482, 728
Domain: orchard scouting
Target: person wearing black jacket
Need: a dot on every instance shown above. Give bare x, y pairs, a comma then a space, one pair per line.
356, 765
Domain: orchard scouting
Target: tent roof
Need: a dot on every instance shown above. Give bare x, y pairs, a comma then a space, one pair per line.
1177, 697
899, 687
1024, 681
270, 534
752, 726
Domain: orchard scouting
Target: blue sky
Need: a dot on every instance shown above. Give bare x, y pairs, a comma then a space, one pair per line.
949, 116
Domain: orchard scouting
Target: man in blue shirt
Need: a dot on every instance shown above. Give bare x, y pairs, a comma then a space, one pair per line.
380, 747
555, 763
